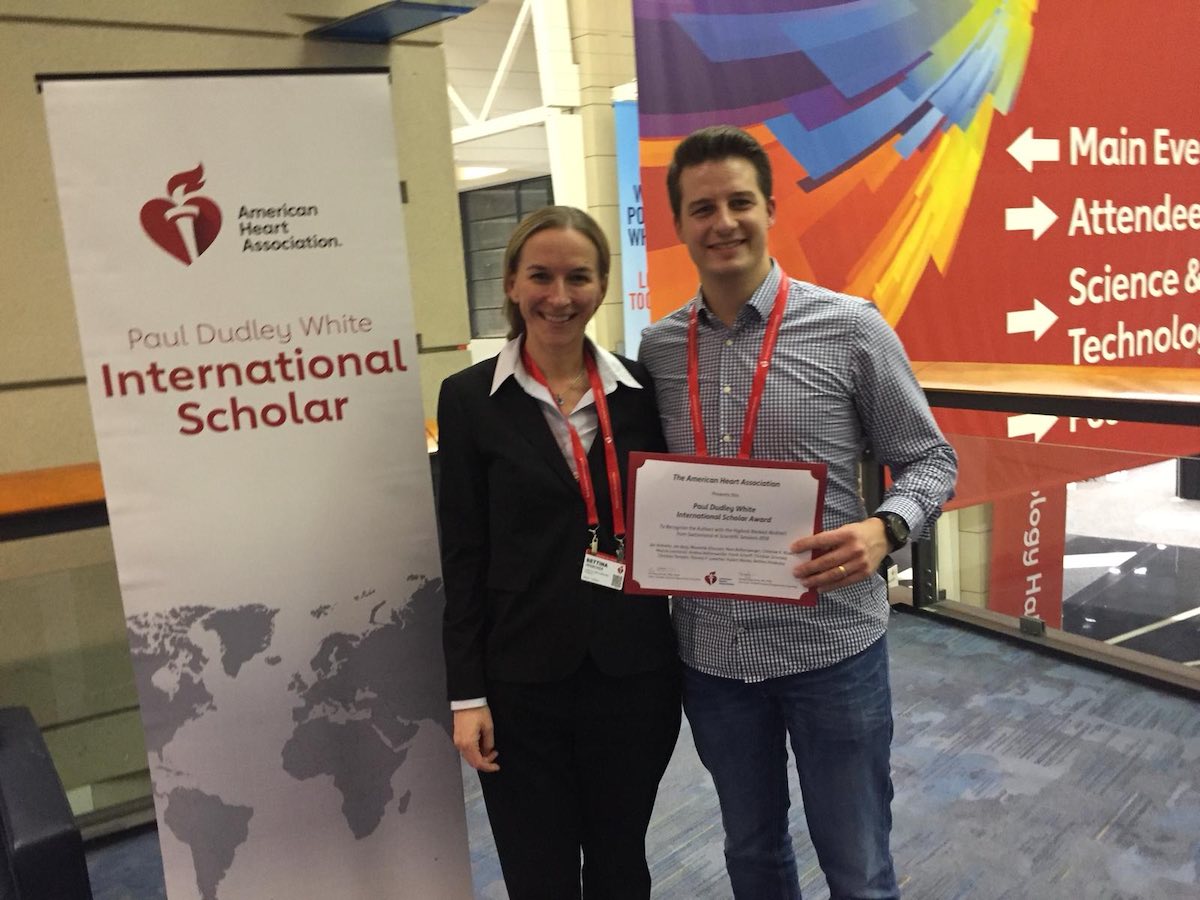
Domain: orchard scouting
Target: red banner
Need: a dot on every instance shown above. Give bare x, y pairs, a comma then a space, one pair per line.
1028, 536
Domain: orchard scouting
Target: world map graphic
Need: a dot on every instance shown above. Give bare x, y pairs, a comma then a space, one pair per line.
358, 699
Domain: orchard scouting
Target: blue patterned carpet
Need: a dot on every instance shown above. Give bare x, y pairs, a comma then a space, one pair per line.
1018, 777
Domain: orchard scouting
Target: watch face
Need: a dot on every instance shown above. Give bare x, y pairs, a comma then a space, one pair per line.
896, 529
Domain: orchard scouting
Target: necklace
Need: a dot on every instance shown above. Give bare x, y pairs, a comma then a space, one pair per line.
560, 399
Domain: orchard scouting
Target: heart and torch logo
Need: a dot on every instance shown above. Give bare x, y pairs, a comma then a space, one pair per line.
183, 223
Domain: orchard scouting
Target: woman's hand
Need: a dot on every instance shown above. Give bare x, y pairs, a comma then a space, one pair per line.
475, 738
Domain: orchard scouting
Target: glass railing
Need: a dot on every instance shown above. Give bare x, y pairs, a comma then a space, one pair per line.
1059, 535
64, 654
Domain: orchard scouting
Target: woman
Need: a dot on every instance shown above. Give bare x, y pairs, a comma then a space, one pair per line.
565, 691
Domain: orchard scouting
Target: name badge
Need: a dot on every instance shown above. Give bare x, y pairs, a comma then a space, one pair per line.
604, 570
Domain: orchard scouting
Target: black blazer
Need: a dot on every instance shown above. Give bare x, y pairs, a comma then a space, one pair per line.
514, 530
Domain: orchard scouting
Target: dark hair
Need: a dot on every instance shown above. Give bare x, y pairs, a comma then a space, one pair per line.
567, 218
716, 142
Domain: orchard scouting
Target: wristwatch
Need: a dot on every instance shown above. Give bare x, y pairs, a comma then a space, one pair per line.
895, 528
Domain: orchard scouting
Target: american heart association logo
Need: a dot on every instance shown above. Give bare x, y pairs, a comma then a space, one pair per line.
710, 578
183, 223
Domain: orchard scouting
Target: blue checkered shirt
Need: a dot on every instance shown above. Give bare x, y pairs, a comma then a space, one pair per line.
839, 382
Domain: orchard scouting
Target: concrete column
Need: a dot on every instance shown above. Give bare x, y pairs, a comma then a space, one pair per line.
602, 40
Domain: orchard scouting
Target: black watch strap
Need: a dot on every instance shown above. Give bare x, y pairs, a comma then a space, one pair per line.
895, 528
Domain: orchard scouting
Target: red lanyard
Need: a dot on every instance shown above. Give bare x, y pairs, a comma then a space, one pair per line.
581, 464
760, 373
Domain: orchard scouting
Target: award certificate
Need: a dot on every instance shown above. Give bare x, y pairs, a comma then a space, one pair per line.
713, 526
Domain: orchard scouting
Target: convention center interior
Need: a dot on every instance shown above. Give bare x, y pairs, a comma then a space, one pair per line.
335, 332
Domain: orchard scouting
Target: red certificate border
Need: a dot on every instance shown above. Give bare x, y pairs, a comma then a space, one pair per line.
638, 458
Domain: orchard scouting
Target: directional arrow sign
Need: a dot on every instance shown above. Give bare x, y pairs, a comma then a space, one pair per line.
1036, 218
1037, 320
1028, 150
1030, 423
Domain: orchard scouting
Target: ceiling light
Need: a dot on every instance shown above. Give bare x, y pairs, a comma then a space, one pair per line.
474, 173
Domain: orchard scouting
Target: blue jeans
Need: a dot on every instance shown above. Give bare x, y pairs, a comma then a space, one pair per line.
840, 722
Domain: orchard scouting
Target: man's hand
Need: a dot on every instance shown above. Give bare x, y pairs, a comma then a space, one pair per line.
848, 555
475, 738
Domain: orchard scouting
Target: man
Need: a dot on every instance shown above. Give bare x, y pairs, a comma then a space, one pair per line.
837, 382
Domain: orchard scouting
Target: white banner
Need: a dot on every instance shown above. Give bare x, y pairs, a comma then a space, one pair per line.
236, 249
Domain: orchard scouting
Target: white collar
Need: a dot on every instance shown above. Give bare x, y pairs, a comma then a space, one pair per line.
508, 363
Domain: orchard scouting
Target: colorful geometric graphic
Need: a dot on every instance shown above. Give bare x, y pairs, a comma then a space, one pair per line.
875, 114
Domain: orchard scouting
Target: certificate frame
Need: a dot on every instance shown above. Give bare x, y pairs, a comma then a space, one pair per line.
637, 461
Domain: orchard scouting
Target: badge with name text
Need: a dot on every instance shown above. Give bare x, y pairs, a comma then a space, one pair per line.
604, 570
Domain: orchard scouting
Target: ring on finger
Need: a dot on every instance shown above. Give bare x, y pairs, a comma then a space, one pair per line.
842, 569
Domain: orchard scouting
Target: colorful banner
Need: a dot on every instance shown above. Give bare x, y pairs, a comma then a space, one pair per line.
972, 167
236, 251
1009, 181
635, 292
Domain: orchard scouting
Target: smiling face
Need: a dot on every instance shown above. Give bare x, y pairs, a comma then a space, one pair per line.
557, 287
723, 221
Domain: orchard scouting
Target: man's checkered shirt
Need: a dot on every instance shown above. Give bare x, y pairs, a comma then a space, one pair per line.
839, 381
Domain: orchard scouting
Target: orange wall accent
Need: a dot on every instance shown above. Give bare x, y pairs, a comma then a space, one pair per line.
41, 489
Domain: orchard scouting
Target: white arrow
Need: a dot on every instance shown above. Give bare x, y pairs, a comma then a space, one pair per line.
1036, 218
1030, 423
1038, 320
1028, 150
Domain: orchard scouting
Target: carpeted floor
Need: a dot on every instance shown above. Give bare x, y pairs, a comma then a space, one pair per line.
1018, 776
